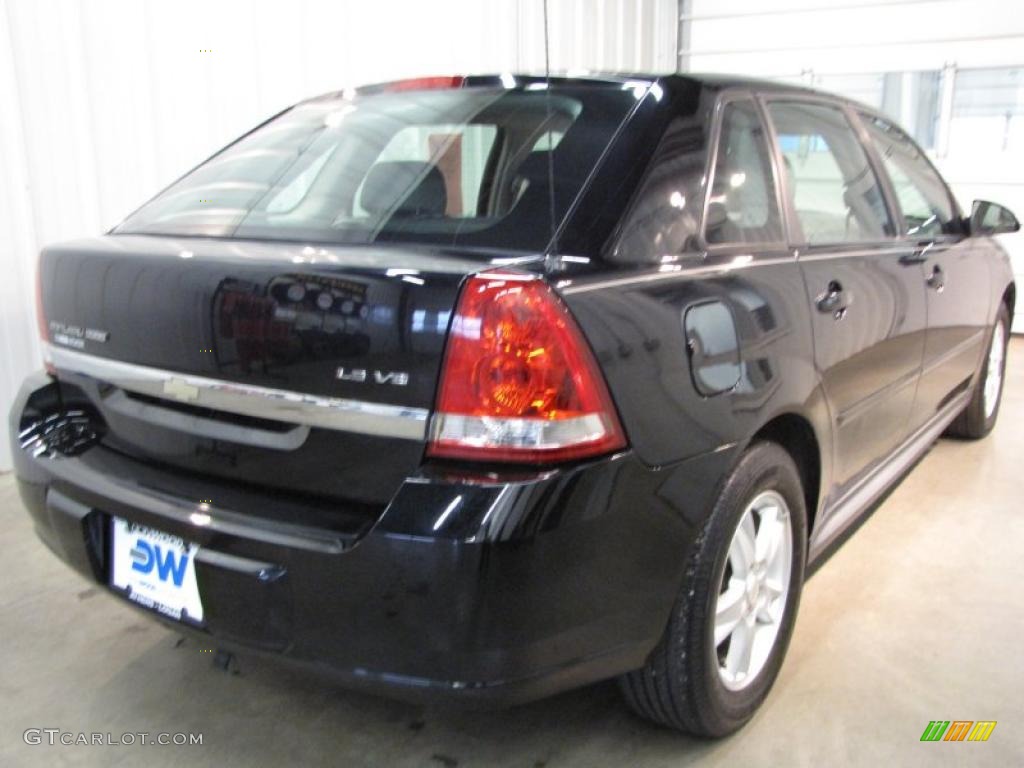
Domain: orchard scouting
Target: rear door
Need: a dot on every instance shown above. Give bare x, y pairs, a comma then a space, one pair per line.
868, 300
956, 279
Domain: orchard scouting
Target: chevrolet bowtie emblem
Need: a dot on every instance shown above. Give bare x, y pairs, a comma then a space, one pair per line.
181, 390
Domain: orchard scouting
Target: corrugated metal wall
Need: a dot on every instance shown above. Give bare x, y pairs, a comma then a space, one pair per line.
103, 103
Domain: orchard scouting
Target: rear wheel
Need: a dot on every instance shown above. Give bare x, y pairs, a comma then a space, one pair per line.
979, 417
731, 625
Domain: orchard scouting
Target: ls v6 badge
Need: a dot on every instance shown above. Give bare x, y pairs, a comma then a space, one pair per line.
361, 376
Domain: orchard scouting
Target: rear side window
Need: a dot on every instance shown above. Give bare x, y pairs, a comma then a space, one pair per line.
924, 200
830, 184
742, 207
664, 218
474, 166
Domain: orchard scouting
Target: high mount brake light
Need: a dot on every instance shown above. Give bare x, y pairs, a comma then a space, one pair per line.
519, 383
425, 83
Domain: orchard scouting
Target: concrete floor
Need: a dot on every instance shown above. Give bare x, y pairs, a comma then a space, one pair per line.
919, 616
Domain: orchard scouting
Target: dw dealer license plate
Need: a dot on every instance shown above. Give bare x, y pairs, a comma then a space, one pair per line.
156, 570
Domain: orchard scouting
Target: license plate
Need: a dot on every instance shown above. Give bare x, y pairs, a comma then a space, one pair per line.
156, 570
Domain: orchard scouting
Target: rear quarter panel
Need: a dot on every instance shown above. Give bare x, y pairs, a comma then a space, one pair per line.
634, 322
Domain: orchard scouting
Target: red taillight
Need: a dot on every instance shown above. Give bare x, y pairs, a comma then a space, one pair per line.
425, 83
519, 382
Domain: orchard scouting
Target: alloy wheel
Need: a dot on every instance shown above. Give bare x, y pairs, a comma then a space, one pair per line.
755, 584
994, 370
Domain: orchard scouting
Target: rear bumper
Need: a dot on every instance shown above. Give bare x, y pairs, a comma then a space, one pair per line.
502, 589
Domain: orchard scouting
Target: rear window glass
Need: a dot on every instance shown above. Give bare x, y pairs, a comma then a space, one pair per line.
460, 167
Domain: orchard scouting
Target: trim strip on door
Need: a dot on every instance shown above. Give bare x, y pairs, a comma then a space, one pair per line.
838, 516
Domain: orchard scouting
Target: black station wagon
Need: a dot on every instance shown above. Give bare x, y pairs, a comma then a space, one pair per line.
484, 388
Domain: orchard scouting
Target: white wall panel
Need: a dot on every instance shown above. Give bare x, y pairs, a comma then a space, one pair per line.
19, 349
104, 102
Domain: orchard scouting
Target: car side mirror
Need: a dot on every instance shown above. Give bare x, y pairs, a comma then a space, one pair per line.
992, 219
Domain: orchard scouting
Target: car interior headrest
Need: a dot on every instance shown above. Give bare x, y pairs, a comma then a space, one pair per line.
408, 188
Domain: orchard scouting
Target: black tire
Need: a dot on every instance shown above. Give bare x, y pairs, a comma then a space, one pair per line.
680, 686
972, 423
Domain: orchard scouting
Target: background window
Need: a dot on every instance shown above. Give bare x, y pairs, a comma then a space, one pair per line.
923, 197
833, 190
742, 207
988, 110
910, 98
548, 141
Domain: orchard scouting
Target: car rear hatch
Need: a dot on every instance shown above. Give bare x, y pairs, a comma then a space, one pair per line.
309, 370
276, 319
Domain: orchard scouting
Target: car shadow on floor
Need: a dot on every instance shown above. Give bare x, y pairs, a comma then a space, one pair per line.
263, 712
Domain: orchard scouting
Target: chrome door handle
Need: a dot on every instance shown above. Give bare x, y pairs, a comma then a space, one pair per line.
832, 301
